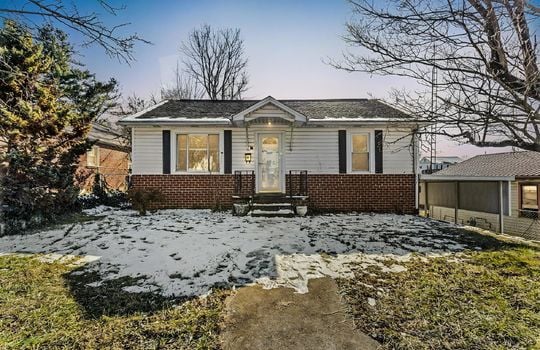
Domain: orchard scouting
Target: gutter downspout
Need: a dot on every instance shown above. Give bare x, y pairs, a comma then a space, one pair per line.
415, 170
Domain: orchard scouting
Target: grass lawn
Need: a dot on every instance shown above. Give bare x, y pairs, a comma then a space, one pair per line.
45, 305
486, 300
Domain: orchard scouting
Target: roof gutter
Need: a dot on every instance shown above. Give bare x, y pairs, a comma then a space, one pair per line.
433, 178
175, 121
360, 121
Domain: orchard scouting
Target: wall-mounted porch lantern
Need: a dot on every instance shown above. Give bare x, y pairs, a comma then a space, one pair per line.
247, 158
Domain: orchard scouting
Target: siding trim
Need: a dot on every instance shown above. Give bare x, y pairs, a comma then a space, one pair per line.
166, 151
342, 151
227, 151
378, 151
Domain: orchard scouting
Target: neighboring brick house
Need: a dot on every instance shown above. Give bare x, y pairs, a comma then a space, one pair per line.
341, 154
109, 157
499, 192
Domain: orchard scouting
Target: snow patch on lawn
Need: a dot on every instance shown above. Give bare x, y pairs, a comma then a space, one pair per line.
294, 271
188, 252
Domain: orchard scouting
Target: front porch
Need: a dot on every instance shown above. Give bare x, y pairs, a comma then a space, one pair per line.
247, 201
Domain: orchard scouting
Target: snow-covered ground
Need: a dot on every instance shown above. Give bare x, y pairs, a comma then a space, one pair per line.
187, 252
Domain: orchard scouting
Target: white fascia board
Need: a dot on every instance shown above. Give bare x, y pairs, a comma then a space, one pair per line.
179, 121
430, 178
269, 99
361, 120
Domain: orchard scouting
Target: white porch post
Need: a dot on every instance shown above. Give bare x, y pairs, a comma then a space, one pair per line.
456, 204
501, 207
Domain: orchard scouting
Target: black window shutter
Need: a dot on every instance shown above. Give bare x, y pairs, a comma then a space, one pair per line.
342, 146
227, 151
378, 151
166, 151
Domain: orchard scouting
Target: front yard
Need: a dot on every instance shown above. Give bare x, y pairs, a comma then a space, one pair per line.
409, 282
39, 309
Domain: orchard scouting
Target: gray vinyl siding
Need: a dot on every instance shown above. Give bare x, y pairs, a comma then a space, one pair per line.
146, 151
313, 148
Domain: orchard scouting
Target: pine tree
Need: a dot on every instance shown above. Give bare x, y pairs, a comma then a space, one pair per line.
46, 106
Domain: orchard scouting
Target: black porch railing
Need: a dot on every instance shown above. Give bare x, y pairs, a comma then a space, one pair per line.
298, 183
244, 183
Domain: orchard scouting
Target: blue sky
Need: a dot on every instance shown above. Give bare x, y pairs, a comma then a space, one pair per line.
285, 42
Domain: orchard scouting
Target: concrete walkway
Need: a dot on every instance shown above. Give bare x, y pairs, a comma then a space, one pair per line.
281, 319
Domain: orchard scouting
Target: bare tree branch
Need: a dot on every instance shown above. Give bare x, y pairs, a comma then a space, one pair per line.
483, 52
183, 88
215, 60
57, 12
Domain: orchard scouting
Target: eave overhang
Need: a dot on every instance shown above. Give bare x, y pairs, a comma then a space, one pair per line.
435, 178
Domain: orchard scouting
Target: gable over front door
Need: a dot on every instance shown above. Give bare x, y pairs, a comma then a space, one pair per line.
270, 163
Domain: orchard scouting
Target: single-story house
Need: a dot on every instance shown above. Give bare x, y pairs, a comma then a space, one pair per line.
342, 154
108, 158
499, 192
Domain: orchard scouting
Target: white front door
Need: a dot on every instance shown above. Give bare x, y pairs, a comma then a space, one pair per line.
269, 159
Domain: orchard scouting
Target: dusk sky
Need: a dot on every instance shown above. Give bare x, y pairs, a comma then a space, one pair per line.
286, 43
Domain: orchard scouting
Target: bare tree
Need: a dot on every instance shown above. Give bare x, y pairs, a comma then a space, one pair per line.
215, 59
66, 14
183, 88
131, 105
475, 60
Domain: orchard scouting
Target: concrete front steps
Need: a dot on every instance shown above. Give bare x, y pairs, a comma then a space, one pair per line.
272, 210
274, 205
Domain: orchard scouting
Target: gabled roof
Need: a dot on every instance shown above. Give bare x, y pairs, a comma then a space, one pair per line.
516, 164
295, 115
105, 136
317, 110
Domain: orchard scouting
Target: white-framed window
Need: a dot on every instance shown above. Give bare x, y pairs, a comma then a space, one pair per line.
529, 200
92, 157
197, 153
360, 145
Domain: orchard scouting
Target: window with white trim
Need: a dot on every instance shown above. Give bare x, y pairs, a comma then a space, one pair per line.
530, 198
92, 157
360, 152
197, 152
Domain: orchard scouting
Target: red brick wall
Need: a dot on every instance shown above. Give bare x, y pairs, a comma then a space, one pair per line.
362, 192
188, 191
336, 192
113, 165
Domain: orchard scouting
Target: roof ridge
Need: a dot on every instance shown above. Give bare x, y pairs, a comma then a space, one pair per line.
278, 99
500, 153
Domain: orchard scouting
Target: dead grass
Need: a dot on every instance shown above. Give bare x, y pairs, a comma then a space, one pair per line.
39, 310
489, 300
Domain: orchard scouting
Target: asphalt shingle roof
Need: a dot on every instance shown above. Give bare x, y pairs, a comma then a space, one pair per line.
519, 164
314, 109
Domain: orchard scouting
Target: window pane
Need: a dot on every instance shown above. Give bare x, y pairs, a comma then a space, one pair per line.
213, 142
213, 146
360, 162
359, 143
198, 160
92, 157
529, 197
198, 142
214, 161
182, 142
181, 161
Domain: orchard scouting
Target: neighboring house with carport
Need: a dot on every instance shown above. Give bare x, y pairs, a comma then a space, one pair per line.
338, 154
108, 158
499, 192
